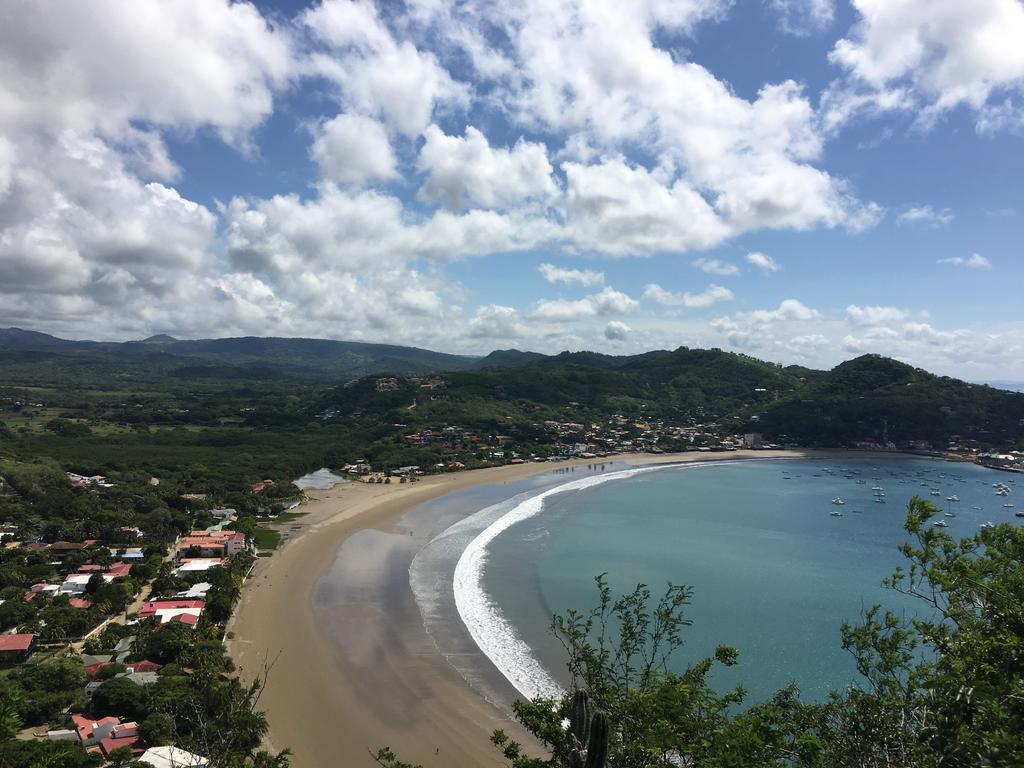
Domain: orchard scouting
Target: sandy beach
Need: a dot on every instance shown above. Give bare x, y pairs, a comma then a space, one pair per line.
355, 671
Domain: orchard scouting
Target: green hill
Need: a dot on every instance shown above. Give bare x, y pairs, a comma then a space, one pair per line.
877, 398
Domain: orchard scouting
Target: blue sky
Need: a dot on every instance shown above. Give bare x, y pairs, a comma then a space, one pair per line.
800, 180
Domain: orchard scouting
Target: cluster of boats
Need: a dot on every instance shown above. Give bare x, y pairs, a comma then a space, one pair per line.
878, 494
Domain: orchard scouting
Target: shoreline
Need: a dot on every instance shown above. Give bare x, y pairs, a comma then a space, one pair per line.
338, 690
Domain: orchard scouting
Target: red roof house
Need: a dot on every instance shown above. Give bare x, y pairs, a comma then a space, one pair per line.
16, 648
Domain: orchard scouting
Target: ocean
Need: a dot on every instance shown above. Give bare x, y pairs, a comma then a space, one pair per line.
774, 573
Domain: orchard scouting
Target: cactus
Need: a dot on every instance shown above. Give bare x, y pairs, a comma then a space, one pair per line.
597, 744
579, 718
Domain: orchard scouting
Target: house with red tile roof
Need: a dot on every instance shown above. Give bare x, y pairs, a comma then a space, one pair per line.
212, 543
107, 734
15, 649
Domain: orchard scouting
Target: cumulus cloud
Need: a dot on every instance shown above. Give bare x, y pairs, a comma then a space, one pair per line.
607, 302
616, 331
353, 148
868, 316
623, 210
974, 261
468, 171
711, 295
377, 74
926, 215
716, 267
763, 262
585, 277
945, 53
780, 332
494, 321
92, 66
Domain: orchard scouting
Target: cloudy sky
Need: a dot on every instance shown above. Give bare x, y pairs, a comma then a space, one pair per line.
800, 180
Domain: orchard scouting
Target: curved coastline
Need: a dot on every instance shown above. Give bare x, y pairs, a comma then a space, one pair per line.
363, 672
484, 620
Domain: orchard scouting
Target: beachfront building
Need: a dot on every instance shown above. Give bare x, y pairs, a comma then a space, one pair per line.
189, 565
185, 611
211, 544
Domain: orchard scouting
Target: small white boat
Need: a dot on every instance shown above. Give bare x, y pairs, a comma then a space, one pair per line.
941, 524
838, 501
879, 500
1019, 514
988, 525
836, 513
1008, 506
936, 493
954, 497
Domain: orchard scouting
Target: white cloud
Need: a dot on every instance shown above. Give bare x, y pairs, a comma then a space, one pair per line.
91, 66
711, 295
621, 210
608, 302
771, 330
750, 160
716, 267
946, 52
802, 17
616, 331
868, 316
763, 262
353, 148
974, 261
493, 321
927, 215
468, 171
377, 74
585, 277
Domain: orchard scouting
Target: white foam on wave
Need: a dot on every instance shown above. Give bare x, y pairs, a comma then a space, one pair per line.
487, 625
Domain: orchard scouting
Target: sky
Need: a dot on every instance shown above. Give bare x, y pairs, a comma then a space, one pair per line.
803, 181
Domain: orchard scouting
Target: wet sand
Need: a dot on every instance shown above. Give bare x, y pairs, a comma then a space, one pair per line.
352, 668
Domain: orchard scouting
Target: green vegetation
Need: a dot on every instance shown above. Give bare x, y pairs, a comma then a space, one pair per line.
266, 538
182, 429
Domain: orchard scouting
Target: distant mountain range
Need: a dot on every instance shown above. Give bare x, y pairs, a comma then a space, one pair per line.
868, 398
318, 357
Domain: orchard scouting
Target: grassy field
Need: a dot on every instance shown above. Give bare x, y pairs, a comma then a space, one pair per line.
266, 538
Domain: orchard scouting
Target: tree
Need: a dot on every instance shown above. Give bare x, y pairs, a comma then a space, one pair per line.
121, 697
10, 710
120, 757
95, 583
157, 730
618, 654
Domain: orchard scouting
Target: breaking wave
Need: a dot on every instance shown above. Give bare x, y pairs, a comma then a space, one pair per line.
486, 624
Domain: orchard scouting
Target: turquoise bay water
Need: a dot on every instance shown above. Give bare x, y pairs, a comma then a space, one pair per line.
774, 574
